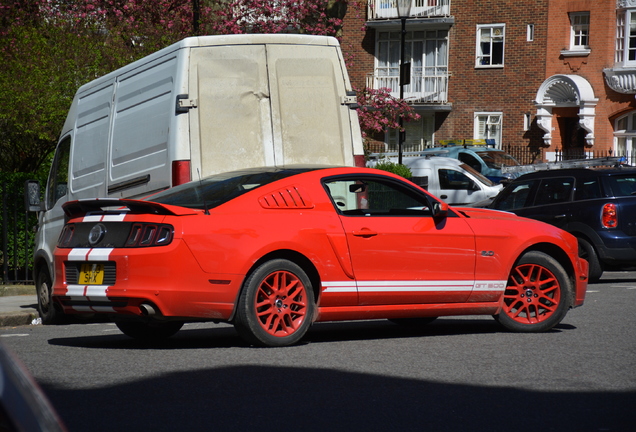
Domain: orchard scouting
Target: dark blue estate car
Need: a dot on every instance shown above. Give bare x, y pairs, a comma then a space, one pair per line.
597, 205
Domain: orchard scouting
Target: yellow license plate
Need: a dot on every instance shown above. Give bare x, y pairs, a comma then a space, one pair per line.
91, 274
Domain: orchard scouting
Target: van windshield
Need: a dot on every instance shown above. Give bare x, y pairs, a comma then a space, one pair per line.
485, 180
218, 189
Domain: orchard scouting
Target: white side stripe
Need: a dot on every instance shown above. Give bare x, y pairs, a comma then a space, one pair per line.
412, 286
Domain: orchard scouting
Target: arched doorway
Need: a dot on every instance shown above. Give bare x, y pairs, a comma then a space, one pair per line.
569, 98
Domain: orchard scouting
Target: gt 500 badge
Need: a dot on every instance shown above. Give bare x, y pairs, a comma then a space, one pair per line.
487, 253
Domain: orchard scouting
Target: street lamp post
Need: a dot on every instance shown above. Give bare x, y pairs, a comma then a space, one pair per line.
404, 10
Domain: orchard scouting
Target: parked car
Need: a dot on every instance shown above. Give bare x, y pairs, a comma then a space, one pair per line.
486, 160
453, 181
597, 205
274, 249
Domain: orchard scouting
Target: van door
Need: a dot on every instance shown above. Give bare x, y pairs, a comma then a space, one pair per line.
456, 188
311, 121
234, 118
143, 113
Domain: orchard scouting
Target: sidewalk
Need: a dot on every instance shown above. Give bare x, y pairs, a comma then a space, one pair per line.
18, 305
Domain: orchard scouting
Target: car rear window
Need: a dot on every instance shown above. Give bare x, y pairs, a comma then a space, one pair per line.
218, 189
623, 185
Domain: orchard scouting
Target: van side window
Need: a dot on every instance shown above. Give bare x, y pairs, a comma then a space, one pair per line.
57, 183
451, 179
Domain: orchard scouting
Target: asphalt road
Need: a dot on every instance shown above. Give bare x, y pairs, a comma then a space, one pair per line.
457, 374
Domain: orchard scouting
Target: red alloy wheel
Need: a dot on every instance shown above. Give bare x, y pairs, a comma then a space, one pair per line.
533, 294
281, 303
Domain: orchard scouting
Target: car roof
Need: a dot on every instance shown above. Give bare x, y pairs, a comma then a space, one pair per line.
577, 172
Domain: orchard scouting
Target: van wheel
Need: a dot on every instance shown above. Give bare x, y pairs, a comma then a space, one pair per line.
276, 306
149, 330
587, 252
537, 295
49, 312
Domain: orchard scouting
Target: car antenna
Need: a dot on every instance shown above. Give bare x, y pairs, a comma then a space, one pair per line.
205, 204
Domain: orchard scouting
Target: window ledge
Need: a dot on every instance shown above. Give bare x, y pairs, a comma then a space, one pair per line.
582, 52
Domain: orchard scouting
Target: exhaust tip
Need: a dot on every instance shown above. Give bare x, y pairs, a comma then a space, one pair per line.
147, 309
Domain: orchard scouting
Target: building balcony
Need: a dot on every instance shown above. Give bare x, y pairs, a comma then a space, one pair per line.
429, 87
621, 80
387, 9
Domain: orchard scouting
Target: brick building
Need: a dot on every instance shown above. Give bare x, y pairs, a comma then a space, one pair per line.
543, 77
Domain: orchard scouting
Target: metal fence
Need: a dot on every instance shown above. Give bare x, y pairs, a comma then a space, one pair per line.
17, 236
578, 153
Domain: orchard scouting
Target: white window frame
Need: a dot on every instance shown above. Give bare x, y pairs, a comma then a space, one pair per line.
490, 35
626, 38
530, 33
488, 125
579, 31
625, 135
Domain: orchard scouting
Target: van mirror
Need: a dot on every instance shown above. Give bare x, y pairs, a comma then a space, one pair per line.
440, 209
32, 200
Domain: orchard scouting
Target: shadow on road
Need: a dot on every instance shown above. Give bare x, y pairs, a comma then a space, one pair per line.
270, 398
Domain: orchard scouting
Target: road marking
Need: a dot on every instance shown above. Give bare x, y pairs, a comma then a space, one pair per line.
14, 335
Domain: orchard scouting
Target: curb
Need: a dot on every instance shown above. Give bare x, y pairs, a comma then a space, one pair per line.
17, 319
16, 290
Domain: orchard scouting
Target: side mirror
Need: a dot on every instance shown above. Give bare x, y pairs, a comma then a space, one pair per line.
32, 200
440, 209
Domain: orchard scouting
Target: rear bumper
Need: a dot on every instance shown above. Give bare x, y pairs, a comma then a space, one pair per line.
162, 281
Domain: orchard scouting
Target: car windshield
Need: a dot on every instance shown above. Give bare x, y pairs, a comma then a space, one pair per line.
623, 185
218, 189
497, 159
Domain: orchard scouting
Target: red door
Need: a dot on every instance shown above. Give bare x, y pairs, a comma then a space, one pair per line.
400, 253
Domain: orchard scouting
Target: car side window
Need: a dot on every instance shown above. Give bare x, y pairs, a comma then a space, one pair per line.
515, 196
587, 189
623, 185
451, 179
375, 197
554, 190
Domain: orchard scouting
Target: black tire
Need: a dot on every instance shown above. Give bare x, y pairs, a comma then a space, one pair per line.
276, 305
587, 251
49, 312
413, 322
149, 330
537, 296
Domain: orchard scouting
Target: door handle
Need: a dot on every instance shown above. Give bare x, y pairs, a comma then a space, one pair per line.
364, 232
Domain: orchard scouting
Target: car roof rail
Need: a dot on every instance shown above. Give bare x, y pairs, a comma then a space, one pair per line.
609, 161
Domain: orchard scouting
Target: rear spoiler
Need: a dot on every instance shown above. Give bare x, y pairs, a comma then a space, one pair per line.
83, 207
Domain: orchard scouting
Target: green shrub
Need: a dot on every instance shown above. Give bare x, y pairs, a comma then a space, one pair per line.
392, 167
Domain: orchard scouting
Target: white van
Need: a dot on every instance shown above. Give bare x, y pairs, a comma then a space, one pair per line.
449, 179
201, 106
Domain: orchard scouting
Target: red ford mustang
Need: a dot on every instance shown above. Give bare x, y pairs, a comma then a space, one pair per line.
273, 250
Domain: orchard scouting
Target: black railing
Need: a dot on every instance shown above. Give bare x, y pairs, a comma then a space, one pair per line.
524, 155
579, 153
17, 236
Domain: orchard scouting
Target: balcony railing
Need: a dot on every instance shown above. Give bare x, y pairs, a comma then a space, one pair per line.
427, 86
387, 9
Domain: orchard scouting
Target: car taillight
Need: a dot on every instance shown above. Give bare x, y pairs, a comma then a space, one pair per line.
66, 236
609, 217
145, 234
